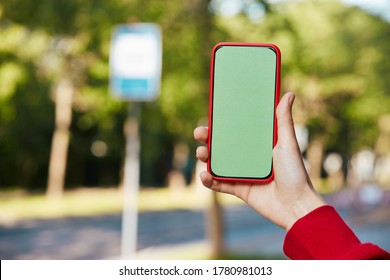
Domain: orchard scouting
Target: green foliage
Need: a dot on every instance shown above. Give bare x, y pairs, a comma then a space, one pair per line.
43, 41
334, 57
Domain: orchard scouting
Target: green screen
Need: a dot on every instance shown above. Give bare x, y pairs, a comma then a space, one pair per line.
243, 112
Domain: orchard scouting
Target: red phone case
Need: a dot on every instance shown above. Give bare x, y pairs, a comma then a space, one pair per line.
277, 94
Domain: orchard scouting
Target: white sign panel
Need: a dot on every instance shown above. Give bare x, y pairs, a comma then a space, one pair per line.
135, 62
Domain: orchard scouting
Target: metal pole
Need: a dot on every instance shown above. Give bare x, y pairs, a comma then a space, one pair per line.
131, 183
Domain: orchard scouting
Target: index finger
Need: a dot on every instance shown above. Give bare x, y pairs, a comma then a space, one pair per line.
201, 134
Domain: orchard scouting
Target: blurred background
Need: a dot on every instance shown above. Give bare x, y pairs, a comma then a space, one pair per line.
56, 109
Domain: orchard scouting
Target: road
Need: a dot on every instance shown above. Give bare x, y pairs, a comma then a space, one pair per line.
99, 237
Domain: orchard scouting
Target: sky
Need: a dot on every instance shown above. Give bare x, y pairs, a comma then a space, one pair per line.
378, 7
256, 11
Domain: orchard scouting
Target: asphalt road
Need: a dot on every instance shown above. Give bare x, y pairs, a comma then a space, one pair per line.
99, 237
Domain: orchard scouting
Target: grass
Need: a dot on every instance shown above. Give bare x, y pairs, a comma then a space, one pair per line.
16, 205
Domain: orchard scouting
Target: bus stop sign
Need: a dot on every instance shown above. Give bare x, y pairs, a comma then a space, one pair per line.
135, 61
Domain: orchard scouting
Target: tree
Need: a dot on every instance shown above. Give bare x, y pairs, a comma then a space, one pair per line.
24, 126
65, 59
74, 60
334, 57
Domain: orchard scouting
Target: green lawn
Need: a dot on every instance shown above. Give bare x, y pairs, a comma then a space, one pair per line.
99, 201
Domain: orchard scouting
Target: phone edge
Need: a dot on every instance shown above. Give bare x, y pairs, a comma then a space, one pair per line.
277, 97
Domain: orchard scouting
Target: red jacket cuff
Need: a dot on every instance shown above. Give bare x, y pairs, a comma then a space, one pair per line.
322, 234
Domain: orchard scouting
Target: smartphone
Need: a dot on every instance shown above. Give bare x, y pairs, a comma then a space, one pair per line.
244, 93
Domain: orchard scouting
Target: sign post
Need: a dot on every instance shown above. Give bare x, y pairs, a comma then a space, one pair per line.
135, 75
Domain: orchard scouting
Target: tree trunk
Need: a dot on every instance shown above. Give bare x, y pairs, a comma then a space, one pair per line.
215, 227
314, 157
59, 149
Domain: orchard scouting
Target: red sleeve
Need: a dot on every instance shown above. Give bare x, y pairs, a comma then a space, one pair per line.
322, 234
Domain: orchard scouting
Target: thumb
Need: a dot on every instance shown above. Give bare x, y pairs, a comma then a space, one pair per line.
286, 131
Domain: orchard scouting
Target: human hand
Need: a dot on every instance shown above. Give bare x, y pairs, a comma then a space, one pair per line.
290, 195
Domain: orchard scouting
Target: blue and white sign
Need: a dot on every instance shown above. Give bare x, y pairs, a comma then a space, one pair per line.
135, 61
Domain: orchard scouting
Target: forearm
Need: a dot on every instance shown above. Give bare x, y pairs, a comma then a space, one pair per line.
322, 234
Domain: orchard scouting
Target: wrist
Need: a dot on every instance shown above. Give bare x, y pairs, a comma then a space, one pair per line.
303, 206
